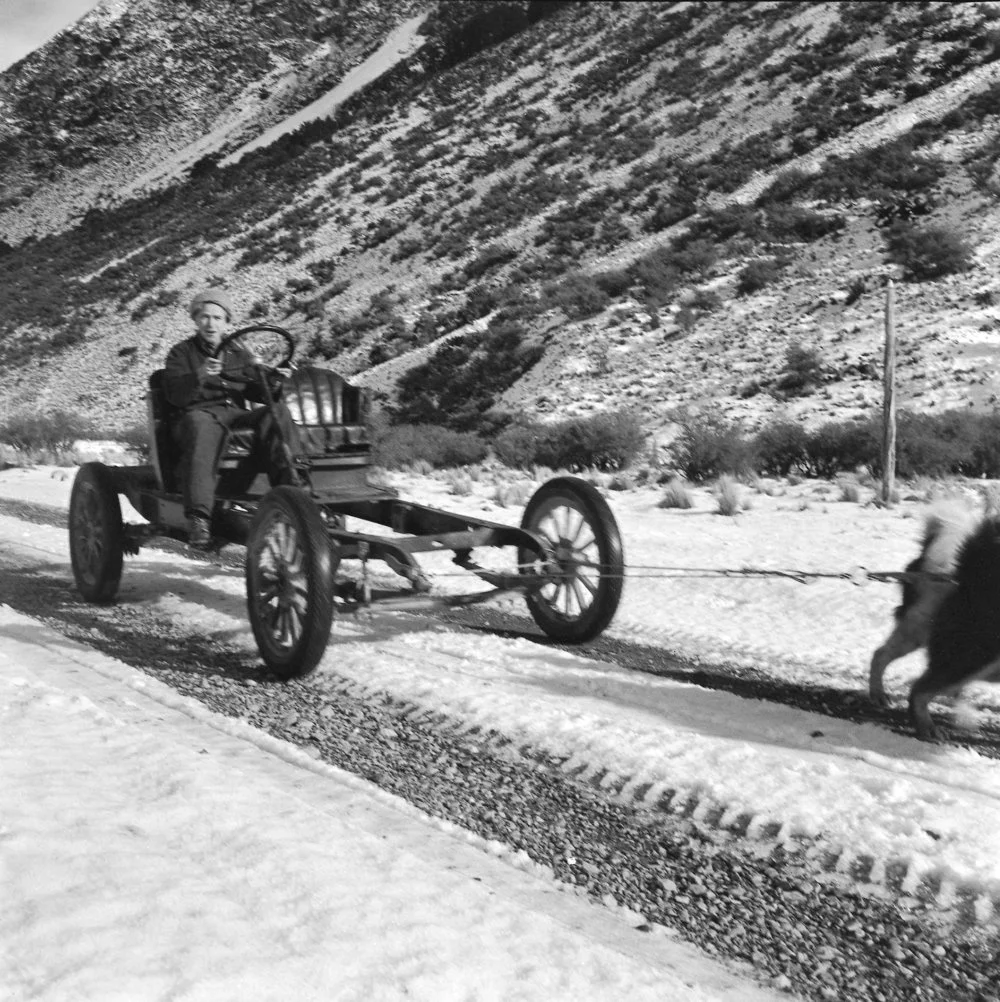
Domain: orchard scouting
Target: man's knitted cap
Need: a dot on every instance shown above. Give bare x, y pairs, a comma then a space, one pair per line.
216, 296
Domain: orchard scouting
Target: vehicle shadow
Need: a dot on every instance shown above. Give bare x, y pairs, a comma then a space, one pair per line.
192, 619
827, 707
189, 618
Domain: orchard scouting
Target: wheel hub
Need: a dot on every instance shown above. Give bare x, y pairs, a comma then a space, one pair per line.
286, 590
565, 556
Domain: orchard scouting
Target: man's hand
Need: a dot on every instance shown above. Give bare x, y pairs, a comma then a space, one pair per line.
210, 367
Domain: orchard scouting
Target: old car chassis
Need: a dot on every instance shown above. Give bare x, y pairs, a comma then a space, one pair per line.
569, 562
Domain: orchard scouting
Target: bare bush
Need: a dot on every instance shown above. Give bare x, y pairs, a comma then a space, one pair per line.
928, 252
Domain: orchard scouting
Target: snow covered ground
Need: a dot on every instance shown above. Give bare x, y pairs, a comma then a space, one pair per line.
152, 850
312, 884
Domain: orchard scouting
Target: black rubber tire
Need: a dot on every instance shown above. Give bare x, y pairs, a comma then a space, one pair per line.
96, 534
290, 568
583, 541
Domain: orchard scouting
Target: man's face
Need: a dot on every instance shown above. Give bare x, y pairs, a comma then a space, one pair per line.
212, 324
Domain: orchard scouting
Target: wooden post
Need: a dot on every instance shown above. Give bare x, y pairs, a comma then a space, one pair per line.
889, 398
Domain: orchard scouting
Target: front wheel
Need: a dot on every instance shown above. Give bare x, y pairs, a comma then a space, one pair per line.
586, 563
96, 534
290, 567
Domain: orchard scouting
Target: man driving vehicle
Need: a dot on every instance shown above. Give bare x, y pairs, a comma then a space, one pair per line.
211, 394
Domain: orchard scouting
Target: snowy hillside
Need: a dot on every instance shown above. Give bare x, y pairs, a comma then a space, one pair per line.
639, 205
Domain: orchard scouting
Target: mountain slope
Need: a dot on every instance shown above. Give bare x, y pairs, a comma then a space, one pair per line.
103, 101
589, 205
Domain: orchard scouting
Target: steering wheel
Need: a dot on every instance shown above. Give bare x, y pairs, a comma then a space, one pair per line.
289, 346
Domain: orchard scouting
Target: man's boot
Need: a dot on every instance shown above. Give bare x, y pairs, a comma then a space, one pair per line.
199, 532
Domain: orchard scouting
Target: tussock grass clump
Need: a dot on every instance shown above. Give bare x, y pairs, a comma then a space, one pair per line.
877, 501
459, 483
728, 496
676, 495
850, 491
513, 494
990, 493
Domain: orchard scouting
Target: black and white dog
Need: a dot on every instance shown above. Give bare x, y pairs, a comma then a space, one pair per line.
954, 610
964, 641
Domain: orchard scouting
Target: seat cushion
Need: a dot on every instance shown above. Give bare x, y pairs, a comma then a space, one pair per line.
331, 414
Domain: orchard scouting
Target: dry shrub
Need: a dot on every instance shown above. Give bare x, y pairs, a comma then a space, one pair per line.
708, 447
929, 251
607, 442
400, 446
45, 437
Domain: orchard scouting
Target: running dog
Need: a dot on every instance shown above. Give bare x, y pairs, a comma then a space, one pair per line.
946, 527
964, 641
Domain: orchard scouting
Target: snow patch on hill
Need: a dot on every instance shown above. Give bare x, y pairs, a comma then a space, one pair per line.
399, 44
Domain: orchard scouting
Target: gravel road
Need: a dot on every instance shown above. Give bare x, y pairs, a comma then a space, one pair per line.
759, 906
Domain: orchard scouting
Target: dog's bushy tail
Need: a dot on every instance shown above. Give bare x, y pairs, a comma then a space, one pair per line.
977, 567
946, 527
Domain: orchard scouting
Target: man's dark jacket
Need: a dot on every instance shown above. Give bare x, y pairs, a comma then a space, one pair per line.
237, 383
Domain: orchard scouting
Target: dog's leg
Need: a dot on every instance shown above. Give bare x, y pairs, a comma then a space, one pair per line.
937, 680
903, 640
924, 689
913, 627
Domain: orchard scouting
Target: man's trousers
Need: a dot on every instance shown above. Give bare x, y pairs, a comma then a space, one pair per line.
202, 434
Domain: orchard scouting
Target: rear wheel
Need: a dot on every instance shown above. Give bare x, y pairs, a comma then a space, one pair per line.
96, 534
585, 560
290, 568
